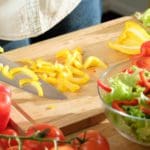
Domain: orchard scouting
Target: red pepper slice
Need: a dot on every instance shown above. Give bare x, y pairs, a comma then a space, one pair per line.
103, 86
118, 104
144, 80
130, 71
145, 110
142, 60
145, 49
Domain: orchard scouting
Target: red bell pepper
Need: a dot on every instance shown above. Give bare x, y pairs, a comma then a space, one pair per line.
145, 110
5, 106
142, 60
104, 86
144, 80
128, 70
118, 104
145, 49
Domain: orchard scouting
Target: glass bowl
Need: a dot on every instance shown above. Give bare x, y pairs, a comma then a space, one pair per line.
133, 128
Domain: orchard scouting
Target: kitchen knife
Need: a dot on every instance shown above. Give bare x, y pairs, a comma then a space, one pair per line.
48, 90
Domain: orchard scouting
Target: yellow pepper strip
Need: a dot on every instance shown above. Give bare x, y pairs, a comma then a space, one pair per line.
1, 66
6, 72
51, 80
71, 86
42, 63
51, 107
1, 50
93, 61
34, 83
76, 71
62, 54
24, 70
27, 62
131, 38
80, 80
66, 85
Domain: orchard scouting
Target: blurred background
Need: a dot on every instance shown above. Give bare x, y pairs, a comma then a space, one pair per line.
113, 9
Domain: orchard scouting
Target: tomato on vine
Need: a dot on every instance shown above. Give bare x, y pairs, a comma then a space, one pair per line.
91, 140
47, 131
4, 143
64, 147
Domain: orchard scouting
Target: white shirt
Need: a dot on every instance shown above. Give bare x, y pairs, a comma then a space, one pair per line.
21, 19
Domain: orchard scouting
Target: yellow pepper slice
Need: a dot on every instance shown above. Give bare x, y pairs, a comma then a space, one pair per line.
24, 70
6, 72
131, 38
80, 79
93, 61
34, 83
1, 66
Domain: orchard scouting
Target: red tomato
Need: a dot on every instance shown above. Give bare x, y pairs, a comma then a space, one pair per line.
53, 132
5, 107
4, 143
91, 140
63, 147
16, 148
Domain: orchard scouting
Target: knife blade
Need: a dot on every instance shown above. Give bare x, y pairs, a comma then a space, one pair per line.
48, 90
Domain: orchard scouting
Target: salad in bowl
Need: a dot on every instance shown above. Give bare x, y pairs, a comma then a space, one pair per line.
125, 92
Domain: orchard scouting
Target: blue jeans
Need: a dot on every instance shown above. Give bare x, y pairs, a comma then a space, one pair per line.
87, 13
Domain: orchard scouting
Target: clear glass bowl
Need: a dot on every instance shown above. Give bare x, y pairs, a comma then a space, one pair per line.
133, 128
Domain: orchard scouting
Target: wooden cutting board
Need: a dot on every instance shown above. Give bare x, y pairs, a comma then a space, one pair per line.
81, 109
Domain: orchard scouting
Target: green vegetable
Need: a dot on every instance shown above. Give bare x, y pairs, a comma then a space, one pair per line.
124, 87
144, 17
135, 124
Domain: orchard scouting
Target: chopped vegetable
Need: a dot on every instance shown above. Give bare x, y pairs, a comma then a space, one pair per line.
36, 84
24, 70
103, 86
144, 17
93, 61
131, 38
128, 96
67, 72
142, 60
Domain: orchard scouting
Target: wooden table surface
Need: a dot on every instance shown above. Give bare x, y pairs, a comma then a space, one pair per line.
87, 109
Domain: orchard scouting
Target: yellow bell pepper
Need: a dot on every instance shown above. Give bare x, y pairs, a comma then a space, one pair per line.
93, 61
1, 66
36, 84
24, 70
131, 38
6, 72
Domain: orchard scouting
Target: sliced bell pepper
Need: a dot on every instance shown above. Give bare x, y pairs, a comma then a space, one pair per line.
144, 80
131, 38
104, 86
142, 60
118, 104
145, 110
93, 61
